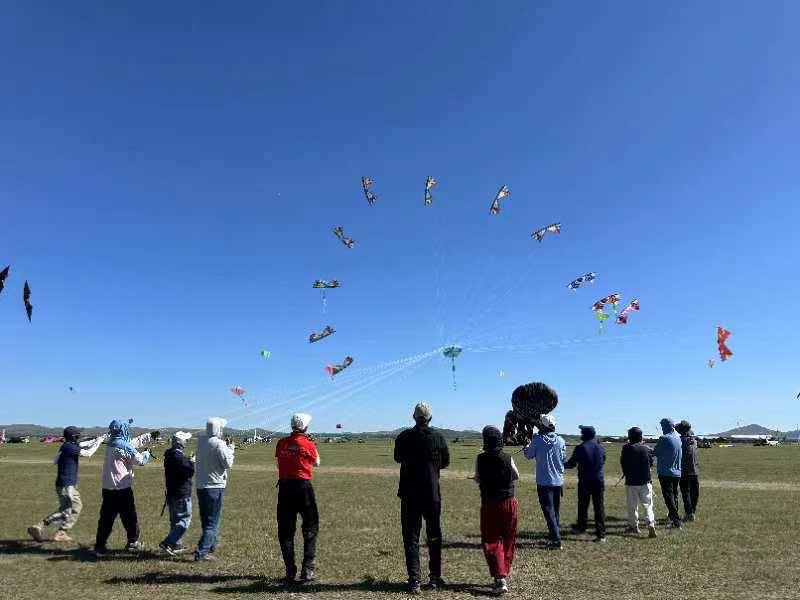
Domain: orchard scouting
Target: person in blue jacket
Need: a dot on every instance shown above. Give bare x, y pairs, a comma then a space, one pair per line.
550, 453
669, 455
590, 458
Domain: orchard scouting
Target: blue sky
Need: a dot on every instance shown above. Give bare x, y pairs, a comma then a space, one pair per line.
170, 175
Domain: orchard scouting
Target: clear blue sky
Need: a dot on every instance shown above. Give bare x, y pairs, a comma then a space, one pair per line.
170, 174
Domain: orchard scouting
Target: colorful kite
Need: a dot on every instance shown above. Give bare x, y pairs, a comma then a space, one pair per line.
452, 353
540, 233
334, 370
503, 192
622, 317
240, 392
430, 182
612, 299
588, 278
366, 183
722, 337
3, 277
315, 337
339, 233
321, 284
26, 298
264, 353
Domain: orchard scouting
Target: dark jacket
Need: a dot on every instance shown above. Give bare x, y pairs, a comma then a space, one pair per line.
690, 466
495, 475
68, 456
636, 461
178, 473
590, 457
422, 452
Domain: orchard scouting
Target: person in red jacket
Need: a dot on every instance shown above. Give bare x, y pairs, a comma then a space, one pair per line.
297, 456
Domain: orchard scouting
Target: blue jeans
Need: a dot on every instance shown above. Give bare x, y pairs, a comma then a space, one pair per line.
180, 517
550, 501
210, 502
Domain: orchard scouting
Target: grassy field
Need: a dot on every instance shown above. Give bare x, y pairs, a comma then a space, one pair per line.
744, 544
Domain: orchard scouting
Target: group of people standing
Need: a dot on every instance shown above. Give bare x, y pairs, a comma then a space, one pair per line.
422, 453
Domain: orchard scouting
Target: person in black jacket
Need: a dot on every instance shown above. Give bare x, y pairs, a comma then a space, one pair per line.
495, 473
590, 458
636, 461
422, 452
690, 470
178, 473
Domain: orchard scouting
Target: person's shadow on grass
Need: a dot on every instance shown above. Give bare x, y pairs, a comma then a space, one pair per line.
57, 553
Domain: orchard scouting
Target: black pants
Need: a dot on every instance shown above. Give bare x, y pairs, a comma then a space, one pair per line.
411, 514
669, 489
296, 497
550, 501
117, 502
690, 490
593, 492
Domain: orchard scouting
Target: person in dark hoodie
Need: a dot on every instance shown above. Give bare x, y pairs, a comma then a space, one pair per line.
669, 455
495, 473
690, 470
590, 458
178, 473
422, 452
636, 461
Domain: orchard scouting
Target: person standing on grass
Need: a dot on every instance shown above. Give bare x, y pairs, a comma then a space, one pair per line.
178, 473
122, 454
550, 453
214, 458
495, 473
69, 500
690, 470
636, 461
422, 452
669, 455
590, 458
297, 456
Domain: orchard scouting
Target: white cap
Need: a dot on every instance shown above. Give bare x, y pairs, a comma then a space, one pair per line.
300, 421
183, 436
548, 421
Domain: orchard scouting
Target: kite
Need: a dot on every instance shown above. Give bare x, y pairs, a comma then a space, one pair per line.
528, 403
501, 373
26, 298
711, 363
601, 316
588, 278
339, 233
3, 277
338, 426
540, 233
334, 370
264, 353
503, 192
430, 182
366, 183
452, 353
599, 306
240, 392
622, 317
315, 337
722, 337
72, 389
321, 284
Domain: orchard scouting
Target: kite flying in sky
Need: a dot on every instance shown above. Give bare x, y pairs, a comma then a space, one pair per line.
503, 192
452, 353
3, 277
711, 363
240, 392
366, 183
26, 298
622, 318
430, 182
599, 309
321, 284
588, 278
338, 426
334, 370
540, 233
265, 353
315, 337
722, 337
339, 233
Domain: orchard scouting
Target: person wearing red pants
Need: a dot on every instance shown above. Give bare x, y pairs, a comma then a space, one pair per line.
495, 473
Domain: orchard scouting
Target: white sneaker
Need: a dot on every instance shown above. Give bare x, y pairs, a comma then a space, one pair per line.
500, 586
35, 531
136, 546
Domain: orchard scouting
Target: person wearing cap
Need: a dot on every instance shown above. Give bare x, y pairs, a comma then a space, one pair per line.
690, 470
214, 457
550, 453
178, 473
496, 474
69, 500
297, 456
422, 453
636, 461
669, 454
590, 458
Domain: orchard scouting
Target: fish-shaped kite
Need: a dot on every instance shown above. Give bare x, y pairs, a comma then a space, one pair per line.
722, 337
334, 370
588, 278
540, 233
503, 192
622, 317
366, 183
315, 337
430, 182
26, 298
339, 233
3, 277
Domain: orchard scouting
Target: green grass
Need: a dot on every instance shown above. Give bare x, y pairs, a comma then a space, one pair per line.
743, 546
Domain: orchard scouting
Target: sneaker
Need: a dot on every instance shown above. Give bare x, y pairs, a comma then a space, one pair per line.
690, 517
600, 540
179, 548
98, 551
674, 525
575, 528
414, 587
652, 531
436, 583
168, 548
205, 558
631, 529
289, 578
136, 546
500, 586
61, 536
35, 531
307, 575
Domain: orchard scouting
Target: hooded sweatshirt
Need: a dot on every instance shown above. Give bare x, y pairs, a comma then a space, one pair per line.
122, 455
668, 451
213, 458
550, 452
589, 457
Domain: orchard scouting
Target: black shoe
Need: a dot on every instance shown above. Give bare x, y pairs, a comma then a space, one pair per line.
307, 575
436, 583
414, 587
575, 528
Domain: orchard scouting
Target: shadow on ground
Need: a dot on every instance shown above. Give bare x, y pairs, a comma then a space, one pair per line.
58, 552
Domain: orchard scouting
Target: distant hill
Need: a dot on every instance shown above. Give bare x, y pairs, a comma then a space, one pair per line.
752, 429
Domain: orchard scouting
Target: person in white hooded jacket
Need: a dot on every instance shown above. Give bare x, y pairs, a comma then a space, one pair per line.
213, 460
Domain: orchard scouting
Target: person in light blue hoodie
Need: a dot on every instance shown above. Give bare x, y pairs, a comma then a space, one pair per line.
550, 453
669, 454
